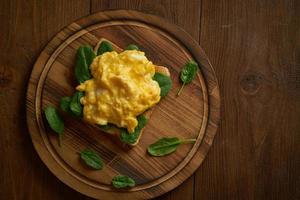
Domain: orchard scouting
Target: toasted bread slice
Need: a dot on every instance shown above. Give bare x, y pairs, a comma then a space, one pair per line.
114, 131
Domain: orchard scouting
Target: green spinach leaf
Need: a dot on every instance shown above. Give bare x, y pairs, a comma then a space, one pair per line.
165, 83
104, 47
91, 159
55, 121
132, 47
65, 104
75, 105
166, 146
131, 138
187, 74
84, 58
122, 181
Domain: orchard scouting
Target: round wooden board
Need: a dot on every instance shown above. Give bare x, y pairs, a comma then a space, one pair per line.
194, 114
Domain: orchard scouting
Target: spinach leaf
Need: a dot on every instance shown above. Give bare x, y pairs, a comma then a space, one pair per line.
132, 47
91, 159
165, 83
84, 58
131, 138
104, 47
55, 121
65, 104
188, 73
75, 105
106, 127
165, 146
122, 181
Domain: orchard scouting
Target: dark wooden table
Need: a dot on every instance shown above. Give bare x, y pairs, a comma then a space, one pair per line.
254, 47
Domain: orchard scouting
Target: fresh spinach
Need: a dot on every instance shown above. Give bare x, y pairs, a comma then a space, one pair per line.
187, 74
75, 105
91, 159
166, 146
122, 181
131, 138
165, 83
65, 104
84, 58
132, 47
104, 47
55, 121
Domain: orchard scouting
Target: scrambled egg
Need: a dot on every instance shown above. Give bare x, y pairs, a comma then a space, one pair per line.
121, 89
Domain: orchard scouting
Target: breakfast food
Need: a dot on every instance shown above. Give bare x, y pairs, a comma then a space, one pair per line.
120, 90
116, 92
133, 138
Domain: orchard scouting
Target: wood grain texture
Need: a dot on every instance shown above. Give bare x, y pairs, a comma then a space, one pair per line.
195, 114
254, 46
231, 42
26, 26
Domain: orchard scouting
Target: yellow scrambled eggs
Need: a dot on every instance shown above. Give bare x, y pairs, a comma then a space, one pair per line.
121, 89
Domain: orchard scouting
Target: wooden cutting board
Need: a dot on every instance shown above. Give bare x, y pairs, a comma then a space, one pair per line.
194, 114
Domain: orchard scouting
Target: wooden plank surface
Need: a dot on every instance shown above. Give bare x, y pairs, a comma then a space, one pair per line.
254, 48
26, 27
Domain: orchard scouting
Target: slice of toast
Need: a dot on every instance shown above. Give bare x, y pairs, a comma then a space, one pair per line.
114, 131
